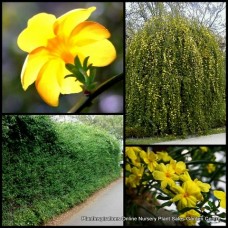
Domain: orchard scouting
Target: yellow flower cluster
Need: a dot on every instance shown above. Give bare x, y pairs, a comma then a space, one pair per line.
172, 175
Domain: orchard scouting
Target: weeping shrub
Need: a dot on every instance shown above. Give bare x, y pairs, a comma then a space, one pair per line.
175, 79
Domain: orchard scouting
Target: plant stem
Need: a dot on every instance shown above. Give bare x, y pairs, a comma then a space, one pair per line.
204, 161
86, 100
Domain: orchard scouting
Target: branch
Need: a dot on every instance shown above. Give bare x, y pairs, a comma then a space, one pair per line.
86, 100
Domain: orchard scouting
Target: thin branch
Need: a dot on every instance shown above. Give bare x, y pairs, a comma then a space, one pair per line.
86, 100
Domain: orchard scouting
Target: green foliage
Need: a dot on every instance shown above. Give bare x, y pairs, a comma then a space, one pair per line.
49, 167
175, 79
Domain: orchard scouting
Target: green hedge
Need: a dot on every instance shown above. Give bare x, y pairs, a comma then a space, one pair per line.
48, 167
175, 79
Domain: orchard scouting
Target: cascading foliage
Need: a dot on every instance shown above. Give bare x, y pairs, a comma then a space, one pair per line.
175, 79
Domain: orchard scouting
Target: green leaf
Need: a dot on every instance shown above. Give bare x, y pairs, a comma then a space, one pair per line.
70, 67
77, 62
83, 72
85, 63
70, 75
222, 215
207, 207
90, 66
163, 197
164, 204
91, 86
80, 77
93, 72
212, 205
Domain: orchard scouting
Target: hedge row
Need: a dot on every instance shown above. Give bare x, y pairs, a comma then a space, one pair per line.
175, 79
48, 167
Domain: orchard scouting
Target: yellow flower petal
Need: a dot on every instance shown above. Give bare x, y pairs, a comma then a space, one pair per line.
223, 204
68, 21
88, 32
47, 84
101, 52
39, 30
222, 196
69, 85
219, 194
159, 175
32, 65
204, 187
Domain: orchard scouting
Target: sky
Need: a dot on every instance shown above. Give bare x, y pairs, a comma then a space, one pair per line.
222, 13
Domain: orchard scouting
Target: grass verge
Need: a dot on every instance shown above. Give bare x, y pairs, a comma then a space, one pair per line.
151, 140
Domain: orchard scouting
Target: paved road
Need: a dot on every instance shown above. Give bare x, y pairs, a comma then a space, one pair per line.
216, 139
108, 203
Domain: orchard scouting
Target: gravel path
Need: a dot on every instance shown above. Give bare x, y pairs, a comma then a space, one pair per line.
216, 139
105, 204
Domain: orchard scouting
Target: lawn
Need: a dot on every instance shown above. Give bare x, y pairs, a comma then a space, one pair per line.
151, 140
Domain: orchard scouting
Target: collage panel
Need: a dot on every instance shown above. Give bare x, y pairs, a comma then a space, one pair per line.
171, 93
62, 170
143, 138
175, 185
63, 57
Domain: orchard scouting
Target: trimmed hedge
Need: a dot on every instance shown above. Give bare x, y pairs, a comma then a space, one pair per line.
49, 167
175, 79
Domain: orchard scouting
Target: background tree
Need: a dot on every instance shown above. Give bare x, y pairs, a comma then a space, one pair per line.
209, 14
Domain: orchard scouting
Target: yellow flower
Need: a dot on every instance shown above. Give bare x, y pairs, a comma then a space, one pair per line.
190, 217
222, 197
132, 153
187, 195
52, 42
204, 187
150, 159
204, 149
134, 179
185, 176
164, 156
179, 167
166, 174
211, 168
128, 167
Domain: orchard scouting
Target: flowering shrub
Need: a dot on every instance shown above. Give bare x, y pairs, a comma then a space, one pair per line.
178, 176
173, 68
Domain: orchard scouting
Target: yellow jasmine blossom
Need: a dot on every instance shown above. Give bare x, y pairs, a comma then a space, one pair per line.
52, 42
185, 176
128, 167
187, 195
179, 167
134, 179
166, 174
164, 156
204, 187
150, 159
222, 197
190, 217
132, 153
204, 149
211, 168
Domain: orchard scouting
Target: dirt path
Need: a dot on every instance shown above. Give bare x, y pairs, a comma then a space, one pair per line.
105, 204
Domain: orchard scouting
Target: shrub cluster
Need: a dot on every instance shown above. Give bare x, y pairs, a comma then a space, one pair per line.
175, 78
50, 167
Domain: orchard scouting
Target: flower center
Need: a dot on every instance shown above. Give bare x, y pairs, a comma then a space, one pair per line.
186, 195
61, 49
